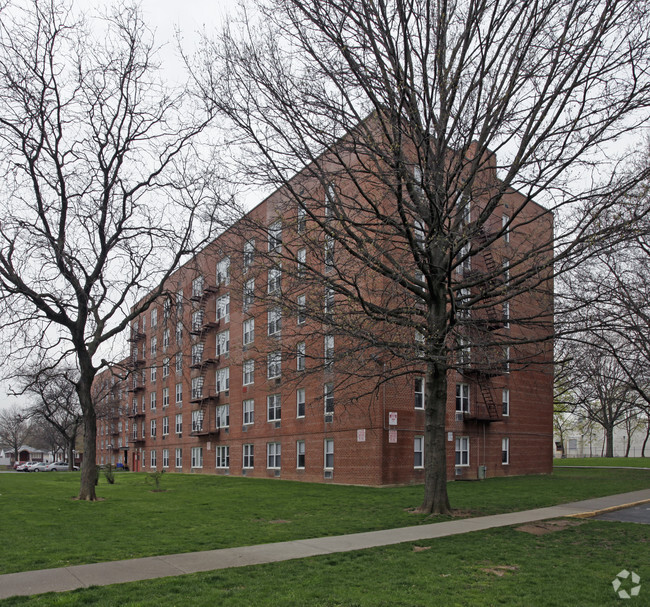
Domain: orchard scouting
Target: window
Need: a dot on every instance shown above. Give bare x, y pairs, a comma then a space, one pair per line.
506, 273
197, 321
329, 453
153, 428
223, 271
154, 344
300, 356
301, 260
462, 303
153, 458
223, 308
167, 306
505, 451
165, 340
418, 452
179, 362
179, 302
301, 315
273, 453
328, 392
249, 254
249, 293
274, 279
274, 364
197, 354
328, 351
419, 392
506, 359
419, 338
300, 402
165, 458
197, 421
152, 401
179, 423
197, 457
179, 458
273, 408
506, 314
249, 456
328, 305
462, 398
464, 258
154, 319
464, 352
274, 321
301, 225
165, 397
505, 402
179, 394
165, 426
249, 331
462, 451
275, 236
179, 332
300, 454
223, 380
223, 343
223, 456
329, 253
249, 372
330, 198
506, 229
197, 388
154, 372
144, 432
197, 286
249, 411
165, 367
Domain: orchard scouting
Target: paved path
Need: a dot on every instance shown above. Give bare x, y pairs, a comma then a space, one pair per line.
114, 572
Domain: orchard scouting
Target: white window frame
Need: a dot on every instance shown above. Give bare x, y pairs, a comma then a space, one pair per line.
222, 380
153, 319
462, 398
179, 362
275, 237
273, 408
300, 356
462, 452
165, 458
197, 420
197, 387
154, 373
274, 365
505, 402
274, 321
506, 229
197, 286
300, 403
328, 351
301, 262
165, 397
165, 425
152, 401
418, 452
223, 308
153, 427
197, 457
165, 342
248, 456
328, 398
222, 416
301, 311
153, 459
222, 457
328, 454
179, 394
249, 293
223, 271
223, 343
273, 456
197, 353
274, 280
154, 345
249, 254
248, 372
300, 452
178, 457
248, 412
505, 451
418, 393
165, 367
248, 329
178, 423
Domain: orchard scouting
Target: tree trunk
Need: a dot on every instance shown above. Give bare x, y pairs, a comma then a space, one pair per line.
71, 443
89, 464
647, 435
609, 442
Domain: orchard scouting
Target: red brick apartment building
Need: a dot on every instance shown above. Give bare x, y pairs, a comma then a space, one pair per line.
206, 393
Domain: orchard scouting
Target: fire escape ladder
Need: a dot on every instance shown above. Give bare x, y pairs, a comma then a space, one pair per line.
488, 399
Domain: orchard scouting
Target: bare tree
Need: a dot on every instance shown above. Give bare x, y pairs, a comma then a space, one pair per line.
416, 136
56, 404
103, 185
15, 428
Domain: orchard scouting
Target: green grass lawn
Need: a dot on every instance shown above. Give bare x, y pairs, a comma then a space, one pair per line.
625, 462
41, 526
574, 566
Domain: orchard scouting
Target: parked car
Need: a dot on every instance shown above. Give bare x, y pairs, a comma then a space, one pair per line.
16, 464
32, 465
38, 467
24, 466
59, 467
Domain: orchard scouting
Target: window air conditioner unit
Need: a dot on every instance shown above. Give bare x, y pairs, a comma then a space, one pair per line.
328, 474
458, 472
459, 416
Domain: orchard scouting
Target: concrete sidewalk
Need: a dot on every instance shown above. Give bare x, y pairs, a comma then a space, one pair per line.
115, 572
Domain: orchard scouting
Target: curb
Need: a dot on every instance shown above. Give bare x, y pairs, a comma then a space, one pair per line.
610, 509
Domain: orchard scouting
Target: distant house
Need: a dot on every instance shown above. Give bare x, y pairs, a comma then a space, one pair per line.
25, 454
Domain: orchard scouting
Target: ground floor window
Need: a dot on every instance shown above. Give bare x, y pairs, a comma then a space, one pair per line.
505, 451
165, 455
249, 460
418, 452
197, 457
273, 453
329, 453
223, 457
300, 454
462, 451
179, 458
